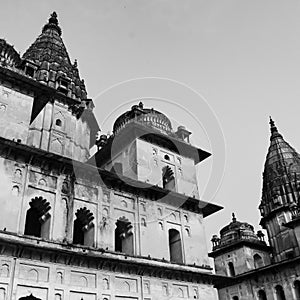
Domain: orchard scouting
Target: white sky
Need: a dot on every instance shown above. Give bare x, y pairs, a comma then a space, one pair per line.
242, 56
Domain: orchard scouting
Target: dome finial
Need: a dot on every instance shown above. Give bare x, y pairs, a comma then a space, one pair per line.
272, 125
52, 23
53, 18
233, 217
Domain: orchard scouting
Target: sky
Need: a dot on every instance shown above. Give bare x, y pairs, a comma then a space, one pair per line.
219, 67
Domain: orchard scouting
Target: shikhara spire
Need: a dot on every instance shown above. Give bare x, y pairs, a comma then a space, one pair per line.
52, 24
50, 59
281, 174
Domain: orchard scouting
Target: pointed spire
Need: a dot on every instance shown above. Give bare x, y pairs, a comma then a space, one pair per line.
233, 217
274, 130
281, 170
272, 125
52, 23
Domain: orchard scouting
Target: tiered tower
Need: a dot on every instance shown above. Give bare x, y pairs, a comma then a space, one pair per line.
281, 187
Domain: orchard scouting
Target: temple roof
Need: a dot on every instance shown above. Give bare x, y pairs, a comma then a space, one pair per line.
281, 174
51, 61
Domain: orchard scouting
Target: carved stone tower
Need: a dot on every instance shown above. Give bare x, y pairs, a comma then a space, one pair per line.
281, 182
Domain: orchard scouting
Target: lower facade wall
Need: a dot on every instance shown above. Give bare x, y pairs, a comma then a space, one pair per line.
249, 288
23, 277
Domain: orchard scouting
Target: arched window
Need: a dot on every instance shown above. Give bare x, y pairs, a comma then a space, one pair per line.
124, 236
175, 247
261, 295
297, 289
37, 221
168, 178
58, 122
2, 294
83, 229
279, 293
231, 271
258, 261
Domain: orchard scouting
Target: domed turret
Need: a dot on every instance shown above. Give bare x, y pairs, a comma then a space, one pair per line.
234, 232
239, 249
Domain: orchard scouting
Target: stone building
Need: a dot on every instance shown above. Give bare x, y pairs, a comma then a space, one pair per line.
259, 271
126, 223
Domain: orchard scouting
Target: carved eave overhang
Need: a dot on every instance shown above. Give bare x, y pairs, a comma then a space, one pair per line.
273, 213
260, 273
43, 94
239, 244
136, 130
157, 193
112, 180
293, 223
100, 259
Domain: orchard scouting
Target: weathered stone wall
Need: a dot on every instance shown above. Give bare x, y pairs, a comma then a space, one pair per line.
242, 259
151, 160
151, 220
15, 111
58, 130
22, 277
281, 238
267, 281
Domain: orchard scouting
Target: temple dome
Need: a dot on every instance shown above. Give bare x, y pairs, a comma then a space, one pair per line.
51, 61
145, 116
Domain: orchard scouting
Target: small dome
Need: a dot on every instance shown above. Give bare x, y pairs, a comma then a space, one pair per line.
236, 226
146, 116
235, 232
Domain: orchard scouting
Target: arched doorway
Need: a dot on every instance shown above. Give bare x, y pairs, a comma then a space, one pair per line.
124, 239
175, 246
231, 271
279, 293
297, 289
83, 227
258, 261
262, 295
37, 221
168, 178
